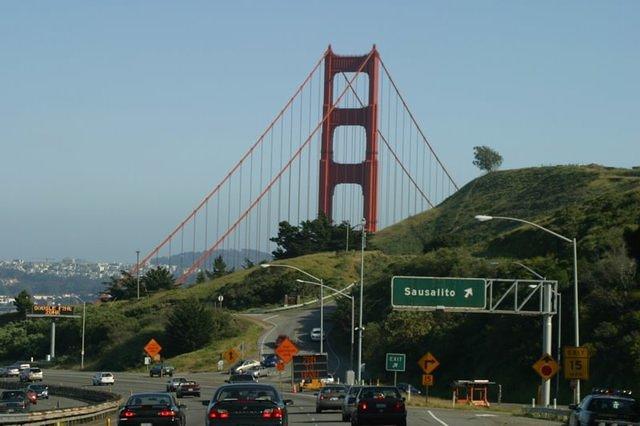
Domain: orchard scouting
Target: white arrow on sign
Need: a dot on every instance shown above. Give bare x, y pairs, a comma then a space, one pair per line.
468, 292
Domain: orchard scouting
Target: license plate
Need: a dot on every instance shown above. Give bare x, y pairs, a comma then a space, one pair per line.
146, 424
190, 389
333, 398
381, 405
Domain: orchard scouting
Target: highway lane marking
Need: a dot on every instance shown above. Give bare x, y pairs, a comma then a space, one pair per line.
436, 419
265, 335
486, 415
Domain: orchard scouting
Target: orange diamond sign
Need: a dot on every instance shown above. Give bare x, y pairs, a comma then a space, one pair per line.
546, 367
152, 348
286, 350
428, 363
231, 355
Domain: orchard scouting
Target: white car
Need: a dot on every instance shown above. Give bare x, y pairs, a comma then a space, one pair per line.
103, 378
31, 375
246, 365
329, 380
315, 334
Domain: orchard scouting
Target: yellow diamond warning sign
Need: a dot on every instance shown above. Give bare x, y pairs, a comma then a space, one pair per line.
546, 367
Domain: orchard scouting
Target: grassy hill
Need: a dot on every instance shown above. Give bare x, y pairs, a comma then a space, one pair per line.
600, 206
593, 203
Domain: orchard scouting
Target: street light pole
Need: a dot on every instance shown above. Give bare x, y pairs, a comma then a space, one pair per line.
321, 317
364, 233
84, 318
353, 299
138, 272
576, 314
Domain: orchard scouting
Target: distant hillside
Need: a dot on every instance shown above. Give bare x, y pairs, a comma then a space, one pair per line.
233, 258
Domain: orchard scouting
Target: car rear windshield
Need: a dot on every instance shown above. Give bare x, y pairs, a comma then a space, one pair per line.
247, 394
379, 393
36, 370
107, 375
335, 390
38, 388
612, 406
242, 378
189, 383
149, 399
12, 395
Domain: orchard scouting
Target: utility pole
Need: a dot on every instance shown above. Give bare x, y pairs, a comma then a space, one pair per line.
138, 272
364, 234
84, 317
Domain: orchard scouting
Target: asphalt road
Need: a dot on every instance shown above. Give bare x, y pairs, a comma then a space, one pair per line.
54, 402
301, 413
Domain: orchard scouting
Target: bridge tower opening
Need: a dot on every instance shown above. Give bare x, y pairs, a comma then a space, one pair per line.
364, 173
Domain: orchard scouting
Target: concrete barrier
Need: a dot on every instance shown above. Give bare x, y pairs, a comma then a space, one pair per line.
547, 413
101, 404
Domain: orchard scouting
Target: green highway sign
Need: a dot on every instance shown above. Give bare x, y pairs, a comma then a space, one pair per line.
396, 362
430, 293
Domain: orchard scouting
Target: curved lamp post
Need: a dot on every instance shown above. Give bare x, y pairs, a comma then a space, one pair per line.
317, 281
484, 218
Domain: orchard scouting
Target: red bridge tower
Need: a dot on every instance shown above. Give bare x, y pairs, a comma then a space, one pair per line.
364, 174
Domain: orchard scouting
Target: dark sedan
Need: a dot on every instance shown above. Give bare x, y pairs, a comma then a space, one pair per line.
14, 401
188, 388
605, 409
247, 404
152, 409
41, 391
330, 398
379, 405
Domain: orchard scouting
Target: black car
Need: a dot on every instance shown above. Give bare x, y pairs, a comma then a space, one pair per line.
160, 370
41, 391
330, 397
188, 388
379, 405
242, 378
14, 401
152, 408
605, 408
247, 404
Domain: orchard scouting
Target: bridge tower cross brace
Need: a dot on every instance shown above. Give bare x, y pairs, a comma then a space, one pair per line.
365, 173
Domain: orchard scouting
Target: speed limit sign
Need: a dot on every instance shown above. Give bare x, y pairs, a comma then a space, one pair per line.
576, 363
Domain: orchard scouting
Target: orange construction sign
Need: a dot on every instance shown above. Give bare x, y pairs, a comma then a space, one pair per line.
152, 348
286, 350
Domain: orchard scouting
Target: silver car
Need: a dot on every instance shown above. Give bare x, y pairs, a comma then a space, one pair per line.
349, 402
330, 398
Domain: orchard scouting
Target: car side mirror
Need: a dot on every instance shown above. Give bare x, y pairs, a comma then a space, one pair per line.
288, 402
315, 394
205, 402
227, 381
572, 406
402, 399
183, 406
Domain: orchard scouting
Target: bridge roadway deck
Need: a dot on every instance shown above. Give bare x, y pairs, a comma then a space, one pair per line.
301, 413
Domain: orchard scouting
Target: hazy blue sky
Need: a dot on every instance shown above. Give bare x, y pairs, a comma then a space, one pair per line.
117, 116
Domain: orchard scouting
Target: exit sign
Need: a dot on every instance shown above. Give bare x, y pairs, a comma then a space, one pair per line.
396, 362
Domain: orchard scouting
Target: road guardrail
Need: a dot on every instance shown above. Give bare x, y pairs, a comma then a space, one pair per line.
101, 404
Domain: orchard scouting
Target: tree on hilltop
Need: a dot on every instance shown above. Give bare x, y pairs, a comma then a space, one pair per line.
486, 159
23, 303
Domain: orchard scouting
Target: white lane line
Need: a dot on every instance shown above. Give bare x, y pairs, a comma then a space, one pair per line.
436, 419
265, 335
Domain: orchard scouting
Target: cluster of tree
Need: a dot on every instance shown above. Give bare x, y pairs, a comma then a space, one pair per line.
126, 285
312, 236
192, 325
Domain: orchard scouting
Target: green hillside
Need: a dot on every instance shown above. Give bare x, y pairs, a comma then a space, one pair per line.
600, 206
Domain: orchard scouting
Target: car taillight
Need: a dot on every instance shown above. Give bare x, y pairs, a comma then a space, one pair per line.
362, 406
321, 396
398, 406
218, 414
272, 413
127, 414
165, 412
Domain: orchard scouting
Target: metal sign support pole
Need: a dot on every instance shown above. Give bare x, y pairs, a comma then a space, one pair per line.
52, 350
